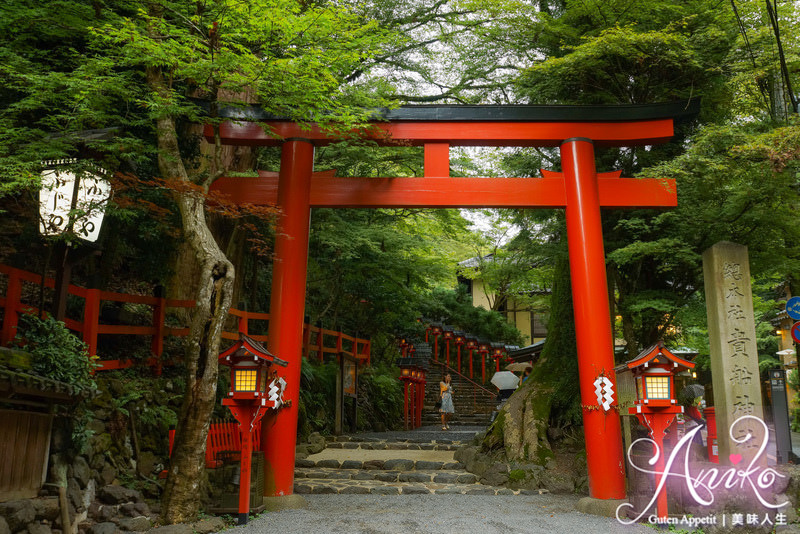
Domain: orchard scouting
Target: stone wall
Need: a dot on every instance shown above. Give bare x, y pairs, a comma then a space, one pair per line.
112, 485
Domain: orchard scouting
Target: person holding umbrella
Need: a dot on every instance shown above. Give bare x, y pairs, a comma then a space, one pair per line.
692, 399
446, 399
525, 375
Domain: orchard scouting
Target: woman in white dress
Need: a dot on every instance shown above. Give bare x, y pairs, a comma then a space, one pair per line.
446, 397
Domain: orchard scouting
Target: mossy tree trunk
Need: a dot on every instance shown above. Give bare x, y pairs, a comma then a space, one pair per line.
551, 394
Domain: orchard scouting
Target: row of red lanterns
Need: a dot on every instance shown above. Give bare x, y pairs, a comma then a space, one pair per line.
485, 349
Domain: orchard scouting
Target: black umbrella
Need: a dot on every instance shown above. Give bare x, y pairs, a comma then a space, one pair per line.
691, 392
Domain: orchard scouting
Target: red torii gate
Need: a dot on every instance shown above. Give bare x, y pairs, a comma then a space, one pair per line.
578, 188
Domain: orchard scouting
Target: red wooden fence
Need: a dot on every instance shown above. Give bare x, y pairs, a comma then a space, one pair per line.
223, 438
317, 341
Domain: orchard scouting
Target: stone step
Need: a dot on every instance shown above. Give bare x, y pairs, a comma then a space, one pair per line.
458, 420
394, 446
377, 487
440, 476
394, 464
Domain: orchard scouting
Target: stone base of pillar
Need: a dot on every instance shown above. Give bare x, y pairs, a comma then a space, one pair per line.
284, 502
602, 507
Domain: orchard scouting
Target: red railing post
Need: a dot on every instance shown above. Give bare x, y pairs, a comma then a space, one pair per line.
306, 340
244, 322
10, 317
405, 403
159, 316
91, 318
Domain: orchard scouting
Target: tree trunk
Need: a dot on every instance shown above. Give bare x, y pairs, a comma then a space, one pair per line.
551, 393
213, 299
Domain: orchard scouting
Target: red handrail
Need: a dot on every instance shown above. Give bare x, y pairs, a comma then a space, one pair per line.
90, 327
474, 384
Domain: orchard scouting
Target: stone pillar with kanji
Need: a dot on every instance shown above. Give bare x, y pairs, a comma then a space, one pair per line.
734, 356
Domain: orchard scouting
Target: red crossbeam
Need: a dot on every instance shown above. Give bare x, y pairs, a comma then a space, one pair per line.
456, 133
440, 192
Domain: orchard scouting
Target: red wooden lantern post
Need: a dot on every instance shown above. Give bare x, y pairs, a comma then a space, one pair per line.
419, 377
436, 330
459, 341
248, 401
472, 344
483, 352
403, 344
405, 378
654, 371
498, 350
448, 336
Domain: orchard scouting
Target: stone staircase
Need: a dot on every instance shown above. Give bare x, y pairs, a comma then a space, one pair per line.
365, 465
473, 404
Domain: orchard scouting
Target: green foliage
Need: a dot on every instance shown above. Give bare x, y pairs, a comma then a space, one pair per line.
57, 353
454, 307
557, 369
152, 416
380, 398
516, 475
317, 398
513, 271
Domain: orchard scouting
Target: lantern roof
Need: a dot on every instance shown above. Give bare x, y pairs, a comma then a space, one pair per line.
656, 354
247, 346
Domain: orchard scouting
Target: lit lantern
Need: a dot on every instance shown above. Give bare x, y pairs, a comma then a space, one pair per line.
654, 371
656, 407
249, 362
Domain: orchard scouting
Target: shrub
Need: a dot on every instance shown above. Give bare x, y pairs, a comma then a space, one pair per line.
57, 353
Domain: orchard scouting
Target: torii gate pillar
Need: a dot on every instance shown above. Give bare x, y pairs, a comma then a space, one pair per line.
592, 326
287, 308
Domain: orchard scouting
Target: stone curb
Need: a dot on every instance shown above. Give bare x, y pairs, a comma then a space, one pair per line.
397, 446
437, 476
325, 486
388, 465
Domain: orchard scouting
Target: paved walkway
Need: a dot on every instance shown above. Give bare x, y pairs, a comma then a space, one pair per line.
436, 514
